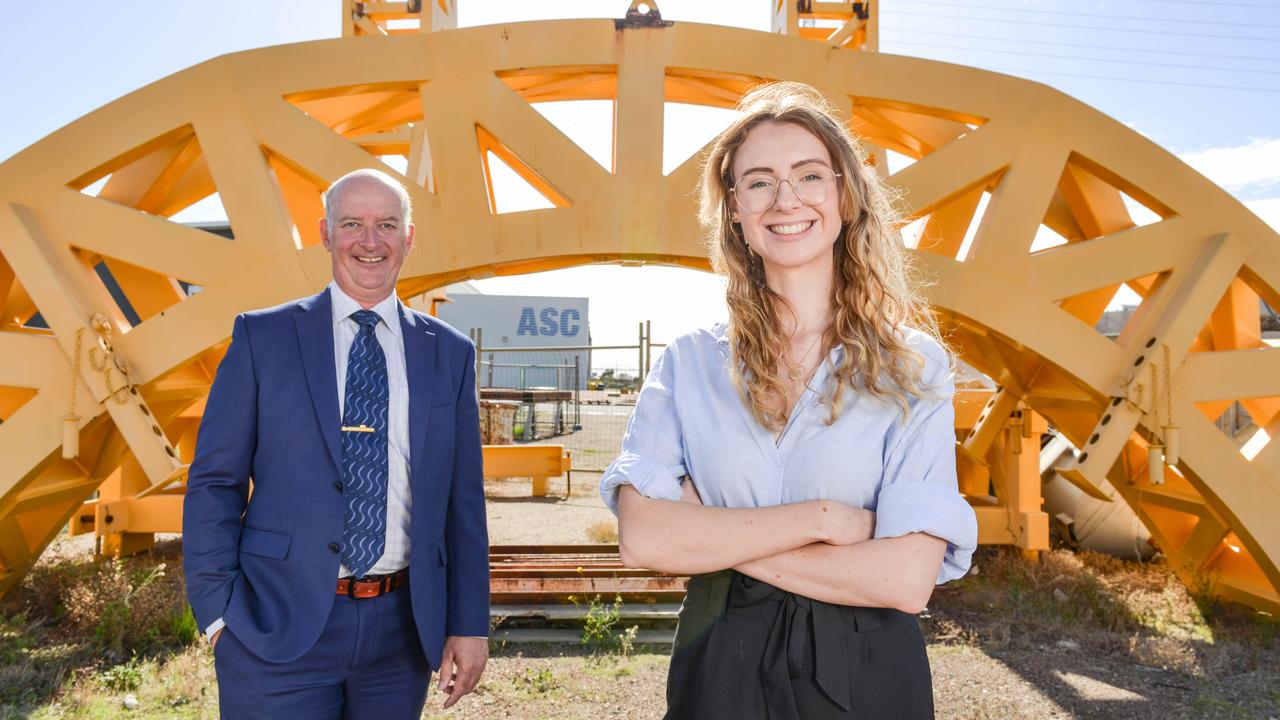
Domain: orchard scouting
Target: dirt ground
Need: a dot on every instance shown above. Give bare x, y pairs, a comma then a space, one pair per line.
1126, 642
1070, 636
969, 683
516, 518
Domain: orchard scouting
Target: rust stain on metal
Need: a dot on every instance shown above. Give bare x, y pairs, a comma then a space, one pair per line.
555, 573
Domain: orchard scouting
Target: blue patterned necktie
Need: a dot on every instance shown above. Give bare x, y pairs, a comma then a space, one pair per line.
364, 449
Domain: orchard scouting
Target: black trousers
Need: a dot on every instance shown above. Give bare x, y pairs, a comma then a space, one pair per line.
746, 650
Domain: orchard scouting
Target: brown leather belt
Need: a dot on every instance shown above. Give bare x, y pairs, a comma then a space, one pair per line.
372, 586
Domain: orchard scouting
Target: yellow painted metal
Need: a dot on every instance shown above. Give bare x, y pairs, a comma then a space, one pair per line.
141, 516
127, 520
397, 18
268, 129
538, 462
848, 25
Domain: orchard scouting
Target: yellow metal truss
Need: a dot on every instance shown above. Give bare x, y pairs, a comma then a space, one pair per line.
267, 130
397, 18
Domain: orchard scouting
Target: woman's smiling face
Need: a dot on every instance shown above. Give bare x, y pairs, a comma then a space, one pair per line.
788, 234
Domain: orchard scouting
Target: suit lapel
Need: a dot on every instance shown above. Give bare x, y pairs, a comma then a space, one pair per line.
420, 367
315, 337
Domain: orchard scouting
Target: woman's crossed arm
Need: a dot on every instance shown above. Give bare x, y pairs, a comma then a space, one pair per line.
820, 549
689, 538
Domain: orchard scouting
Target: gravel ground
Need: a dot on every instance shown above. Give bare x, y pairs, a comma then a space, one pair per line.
986, 662
970, 682
515, 518
1071, 636
527, 682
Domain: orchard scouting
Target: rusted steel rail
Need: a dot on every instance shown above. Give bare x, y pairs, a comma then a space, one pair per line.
552, 574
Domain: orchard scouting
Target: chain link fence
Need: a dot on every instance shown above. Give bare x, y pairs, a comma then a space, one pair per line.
580, 397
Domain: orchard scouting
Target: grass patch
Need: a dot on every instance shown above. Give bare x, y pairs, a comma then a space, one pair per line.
88, 627
603, 532
1099, 602
1211, 707
181, 685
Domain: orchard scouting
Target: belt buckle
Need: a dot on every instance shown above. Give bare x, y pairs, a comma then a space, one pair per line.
385, 584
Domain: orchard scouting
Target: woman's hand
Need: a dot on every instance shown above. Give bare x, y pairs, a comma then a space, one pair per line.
688, 538
841, 524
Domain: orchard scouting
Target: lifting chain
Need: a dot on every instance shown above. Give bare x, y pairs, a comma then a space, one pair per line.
1162, 439
103, 359
75, 375
71, 421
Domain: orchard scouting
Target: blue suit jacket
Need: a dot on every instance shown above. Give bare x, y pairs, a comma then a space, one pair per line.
268, 564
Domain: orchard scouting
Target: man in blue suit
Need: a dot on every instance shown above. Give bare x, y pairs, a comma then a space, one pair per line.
359, 561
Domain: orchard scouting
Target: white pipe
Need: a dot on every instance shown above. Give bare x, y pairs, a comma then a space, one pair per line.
1099, 525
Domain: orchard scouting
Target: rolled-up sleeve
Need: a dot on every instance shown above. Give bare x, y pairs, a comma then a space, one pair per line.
652, 458
918, 492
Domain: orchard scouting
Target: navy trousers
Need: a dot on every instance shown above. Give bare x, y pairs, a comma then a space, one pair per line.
368, 663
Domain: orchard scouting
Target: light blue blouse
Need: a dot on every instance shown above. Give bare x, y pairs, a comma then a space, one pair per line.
689, 419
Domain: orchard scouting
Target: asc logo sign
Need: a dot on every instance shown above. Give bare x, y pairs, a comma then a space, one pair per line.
549, 321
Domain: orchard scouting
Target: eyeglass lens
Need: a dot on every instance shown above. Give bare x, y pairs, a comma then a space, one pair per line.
757, 191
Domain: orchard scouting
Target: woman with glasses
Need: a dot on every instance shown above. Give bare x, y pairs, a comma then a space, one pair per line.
798, 461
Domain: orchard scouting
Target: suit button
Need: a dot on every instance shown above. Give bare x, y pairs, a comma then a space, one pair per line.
333, 547
338, 486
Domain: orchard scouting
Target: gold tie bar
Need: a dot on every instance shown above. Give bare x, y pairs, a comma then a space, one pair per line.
357, 428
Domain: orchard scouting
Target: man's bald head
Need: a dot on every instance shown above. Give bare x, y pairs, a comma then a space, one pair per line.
333, 196
368, 231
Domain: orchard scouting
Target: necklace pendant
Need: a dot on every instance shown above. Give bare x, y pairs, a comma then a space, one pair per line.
795, 373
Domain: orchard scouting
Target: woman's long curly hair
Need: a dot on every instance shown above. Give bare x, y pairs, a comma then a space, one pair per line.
875, 293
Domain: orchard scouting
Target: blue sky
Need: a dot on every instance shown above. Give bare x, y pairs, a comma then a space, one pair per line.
1199, 77
1203, 75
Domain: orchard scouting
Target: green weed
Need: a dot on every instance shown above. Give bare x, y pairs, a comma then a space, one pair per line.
541, 681
125, 677
599, 628
185, 629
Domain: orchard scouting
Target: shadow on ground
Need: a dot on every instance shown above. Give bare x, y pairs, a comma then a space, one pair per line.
1104, 638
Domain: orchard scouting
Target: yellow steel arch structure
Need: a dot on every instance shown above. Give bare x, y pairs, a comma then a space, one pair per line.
267, 129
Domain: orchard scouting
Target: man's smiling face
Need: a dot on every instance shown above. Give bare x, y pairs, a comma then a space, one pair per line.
368, 238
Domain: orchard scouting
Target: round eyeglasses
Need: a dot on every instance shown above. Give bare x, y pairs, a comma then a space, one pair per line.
758, 191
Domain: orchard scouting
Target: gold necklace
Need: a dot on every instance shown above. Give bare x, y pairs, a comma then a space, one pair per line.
797, 372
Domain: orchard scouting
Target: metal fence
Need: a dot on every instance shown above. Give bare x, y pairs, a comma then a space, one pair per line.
579, 396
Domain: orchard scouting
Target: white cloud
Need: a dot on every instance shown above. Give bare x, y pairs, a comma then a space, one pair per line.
1241, 165
1268, 209
1250, 172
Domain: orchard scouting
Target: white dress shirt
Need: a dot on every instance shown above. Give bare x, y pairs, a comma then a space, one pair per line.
390, 336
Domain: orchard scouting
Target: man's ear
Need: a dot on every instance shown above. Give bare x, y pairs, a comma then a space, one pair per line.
324, 233
408, 241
